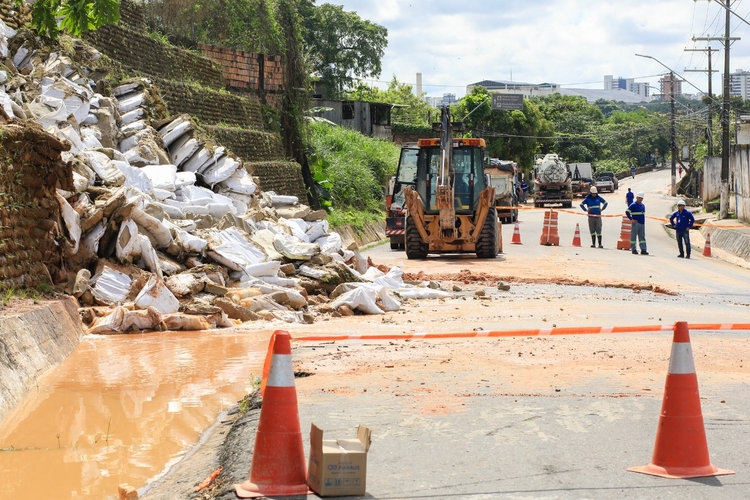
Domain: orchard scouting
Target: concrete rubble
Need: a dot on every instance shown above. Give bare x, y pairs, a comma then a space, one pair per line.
167, 230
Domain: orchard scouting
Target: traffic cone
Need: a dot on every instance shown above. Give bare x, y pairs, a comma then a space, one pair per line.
624, 242
516, 236
577, 237
707, 247
549, 230
681, 450
278, 464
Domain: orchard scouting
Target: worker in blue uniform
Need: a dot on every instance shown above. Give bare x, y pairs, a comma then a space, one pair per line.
683, 221
594, 204
636, 212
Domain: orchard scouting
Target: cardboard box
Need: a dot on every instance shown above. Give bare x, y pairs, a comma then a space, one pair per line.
338, 467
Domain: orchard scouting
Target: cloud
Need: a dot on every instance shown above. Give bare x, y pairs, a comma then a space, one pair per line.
569, 42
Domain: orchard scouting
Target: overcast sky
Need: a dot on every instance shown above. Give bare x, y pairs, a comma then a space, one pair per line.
573, 43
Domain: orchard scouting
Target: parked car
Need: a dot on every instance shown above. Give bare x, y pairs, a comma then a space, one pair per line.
606, 181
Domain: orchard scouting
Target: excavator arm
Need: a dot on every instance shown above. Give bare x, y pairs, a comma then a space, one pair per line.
444, 191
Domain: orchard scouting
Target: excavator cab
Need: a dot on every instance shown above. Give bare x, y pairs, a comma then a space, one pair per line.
467, 180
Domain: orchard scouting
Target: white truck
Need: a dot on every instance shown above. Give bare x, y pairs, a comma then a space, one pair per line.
582, 178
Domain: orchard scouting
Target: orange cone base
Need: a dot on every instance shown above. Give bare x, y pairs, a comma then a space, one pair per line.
681, 472
252, 490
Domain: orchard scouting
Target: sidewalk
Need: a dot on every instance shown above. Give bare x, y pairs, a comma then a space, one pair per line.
728, 241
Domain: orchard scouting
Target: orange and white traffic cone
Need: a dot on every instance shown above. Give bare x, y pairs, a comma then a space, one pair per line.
516, 240
278, 465
577, 237
681, 450
549, 229
707, 247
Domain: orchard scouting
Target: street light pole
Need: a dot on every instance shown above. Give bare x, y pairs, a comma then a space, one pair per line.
724, 203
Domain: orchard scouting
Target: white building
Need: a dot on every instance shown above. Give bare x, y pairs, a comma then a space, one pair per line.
629, 84
739, 84
525, 89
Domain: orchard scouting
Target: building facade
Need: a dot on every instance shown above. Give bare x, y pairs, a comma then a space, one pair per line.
670, 86
525, 89
739, 84
641, 88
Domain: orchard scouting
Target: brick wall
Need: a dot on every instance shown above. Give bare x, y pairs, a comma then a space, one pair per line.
30, 218
242, 70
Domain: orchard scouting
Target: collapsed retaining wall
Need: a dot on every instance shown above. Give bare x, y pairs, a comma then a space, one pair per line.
729, 240
33, 342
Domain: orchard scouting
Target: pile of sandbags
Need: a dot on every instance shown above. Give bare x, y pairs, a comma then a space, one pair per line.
166, 229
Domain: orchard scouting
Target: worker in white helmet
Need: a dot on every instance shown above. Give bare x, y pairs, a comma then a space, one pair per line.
683, 221
594, 204
636, 212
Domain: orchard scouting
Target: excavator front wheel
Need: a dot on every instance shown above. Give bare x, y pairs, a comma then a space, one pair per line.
415, 247
487, 240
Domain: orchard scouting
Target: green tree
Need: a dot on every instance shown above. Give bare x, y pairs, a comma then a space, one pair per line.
342, 46
75, 16
412, 109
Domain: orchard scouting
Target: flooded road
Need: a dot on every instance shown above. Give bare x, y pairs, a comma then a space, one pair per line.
120, 408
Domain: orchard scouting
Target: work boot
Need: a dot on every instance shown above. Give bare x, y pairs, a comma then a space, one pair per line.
643, 252
682, 256
635, 252
688, 256
593, 242
600, 242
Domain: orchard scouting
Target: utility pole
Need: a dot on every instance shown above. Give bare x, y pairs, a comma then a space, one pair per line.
672, 138
726, 40
710, 94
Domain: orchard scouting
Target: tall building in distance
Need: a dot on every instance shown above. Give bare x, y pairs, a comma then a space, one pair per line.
629, 84
739, 84
669, 87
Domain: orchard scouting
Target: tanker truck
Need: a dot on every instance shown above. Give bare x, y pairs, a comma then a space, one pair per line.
552, 181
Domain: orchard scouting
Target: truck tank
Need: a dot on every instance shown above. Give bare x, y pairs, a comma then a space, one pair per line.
552, 182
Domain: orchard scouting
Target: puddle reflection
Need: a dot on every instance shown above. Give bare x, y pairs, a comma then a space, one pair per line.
120, 408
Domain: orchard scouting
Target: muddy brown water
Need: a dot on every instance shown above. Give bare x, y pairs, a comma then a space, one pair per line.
121, 409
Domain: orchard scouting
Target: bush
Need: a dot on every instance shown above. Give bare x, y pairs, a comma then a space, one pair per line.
357, 166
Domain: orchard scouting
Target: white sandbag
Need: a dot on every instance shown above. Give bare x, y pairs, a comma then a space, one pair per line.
362, 299
182, 321
90, 242
129, 103
231, 249
240, 207
294, 249
105, 169
80, 183
347, 254
182, 149
128, 245
191, 243
219, 153
297, 226
162, 194
185, 284
91, 138
311, 272
143, 319
184, 179
239, 182
282, 282
407, 292
316, 230
68, 133
391, 281
90, 119
162, 176
222, 170
149, 259
181, 128
7, 103
330, 243
72, 222
134, 176
126, 88
270, 268
171, 211
156, 294
278, 200
111, 323
133, 128
264, 239
155, 227
196, 195
131, 116
111, 286
197, 160
188, 208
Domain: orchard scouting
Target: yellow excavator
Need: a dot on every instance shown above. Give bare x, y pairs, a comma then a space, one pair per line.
451, 209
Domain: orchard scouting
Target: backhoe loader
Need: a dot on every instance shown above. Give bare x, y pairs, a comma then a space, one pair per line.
452, 207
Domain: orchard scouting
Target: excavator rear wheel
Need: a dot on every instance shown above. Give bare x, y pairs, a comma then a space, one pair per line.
487, 241
415, 247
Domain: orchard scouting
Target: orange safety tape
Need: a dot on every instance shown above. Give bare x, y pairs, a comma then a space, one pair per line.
660, 219
572, 330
